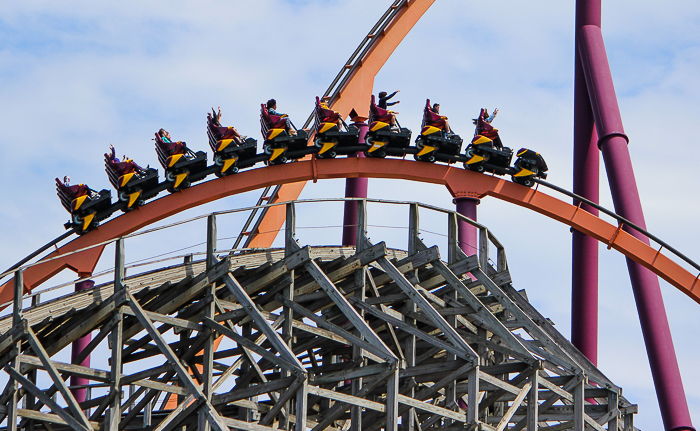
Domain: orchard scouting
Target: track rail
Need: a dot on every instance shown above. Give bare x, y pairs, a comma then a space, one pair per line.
460, 183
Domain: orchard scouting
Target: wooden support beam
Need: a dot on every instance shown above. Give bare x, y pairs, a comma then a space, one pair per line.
74, 423
56, 378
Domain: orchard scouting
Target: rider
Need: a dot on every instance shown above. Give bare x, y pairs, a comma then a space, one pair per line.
484, 127
383, 98
442, 121
328, 115
224, 132
178, 147
272, 110
78, 190
123, 167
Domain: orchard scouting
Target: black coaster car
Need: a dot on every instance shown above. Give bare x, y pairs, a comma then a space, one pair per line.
86, 207
381, 138
279, 144
133, 185
483, 156
330, 138
433, 143
182, 166
230, 155
529, 165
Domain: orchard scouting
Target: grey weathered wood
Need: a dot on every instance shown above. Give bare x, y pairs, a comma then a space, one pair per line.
115, 390
74, 423
361, 225
579, 411
17, 297
211, 241
342, 303
426, 308
413, 229
56, 378
533, 402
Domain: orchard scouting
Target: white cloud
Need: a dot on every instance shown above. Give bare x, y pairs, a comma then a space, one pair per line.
78, 75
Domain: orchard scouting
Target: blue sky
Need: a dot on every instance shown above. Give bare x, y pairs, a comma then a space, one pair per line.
76, 76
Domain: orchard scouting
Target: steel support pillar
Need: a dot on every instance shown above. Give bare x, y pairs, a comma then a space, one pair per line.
647, 293
584, 258
354, 188
80, 394
467, 236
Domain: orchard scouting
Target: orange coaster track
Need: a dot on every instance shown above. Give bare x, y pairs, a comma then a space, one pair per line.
459, 182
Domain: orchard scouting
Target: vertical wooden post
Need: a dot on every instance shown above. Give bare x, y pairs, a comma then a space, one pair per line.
16, 364
290, 246
211, 241
208, 355
413, 229
532, 402
613, 423
452, 237
114, 416
409, 418
473, 396
579, 423
301, 406
357, 356
392, 399
484, 248
361, 224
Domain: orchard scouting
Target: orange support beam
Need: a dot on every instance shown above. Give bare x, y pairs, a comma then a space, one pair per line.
356, 93
459, 182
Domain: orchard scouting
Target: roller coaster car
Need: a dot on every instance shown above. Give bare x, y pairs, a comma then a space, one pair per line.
84, 205
278, 143
529, 165
229, 154
133, 186
483, 156
382, 140
433, 143
181, 164
330, 138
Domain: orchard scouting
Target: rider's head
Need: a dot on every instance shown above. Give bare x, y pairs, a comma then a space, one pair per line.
162, 133
382, 94
271, 104
66, 180
436, 107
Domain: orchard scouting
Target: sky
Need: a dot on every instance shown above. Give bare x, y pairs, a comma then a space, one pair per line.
76, 76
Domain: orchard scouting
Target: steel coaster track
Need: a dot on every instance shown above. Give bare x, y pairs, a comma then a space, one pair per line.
330, 96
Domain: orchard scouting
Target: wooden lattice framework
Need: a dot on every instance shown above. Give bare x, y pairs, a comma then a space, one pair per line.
334, 338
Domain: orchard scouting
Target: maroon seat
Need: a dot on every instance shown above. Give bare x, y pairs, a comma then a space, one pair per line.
430, 118
378, 114
220, 132
170, 148
72, 192
272, 121
483, 128
326, 115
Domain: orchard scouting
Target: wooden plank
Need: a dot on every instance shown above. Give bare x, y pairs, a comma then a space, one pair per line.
56, 378
430, 408
77, 370
503, 423
41, 395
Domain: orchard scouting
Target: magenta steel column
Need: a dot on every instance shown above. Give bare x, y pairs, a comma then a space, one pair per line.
647, 293
354, 188
584, 258
78, 346
467, 235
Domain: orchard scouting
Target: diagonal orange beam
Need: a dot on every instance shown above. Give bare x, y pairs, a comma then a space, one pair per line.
459, 182
355, 94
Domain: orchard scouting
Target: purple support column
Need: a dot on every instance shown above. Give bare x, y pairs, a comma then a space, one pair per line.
467, 235
647, 294
354, 188
78, 346
584, 259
